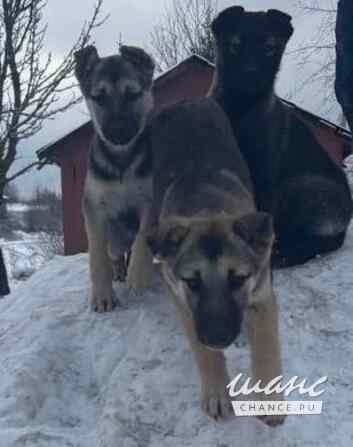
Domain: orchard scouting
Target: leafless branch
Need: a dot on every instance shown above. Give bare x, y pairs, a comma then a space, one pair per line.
33, 87
184, 29
38, 164
316, 58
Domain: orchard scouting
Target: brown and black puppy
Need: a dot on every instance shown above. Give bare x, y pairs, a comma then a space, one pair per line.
213, 245
294, 178
117, 193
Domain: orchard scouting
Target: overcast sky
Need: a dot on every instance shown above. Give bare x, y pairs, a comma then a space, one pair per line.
133, 20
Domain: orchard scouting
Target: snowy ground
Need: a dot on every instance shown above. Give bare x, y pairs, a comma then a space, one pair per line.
24, 255
18, 207
72, 378
24, 252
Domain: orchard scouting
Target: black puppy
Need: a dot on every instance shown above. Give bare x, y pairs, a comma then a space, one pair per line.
294, 178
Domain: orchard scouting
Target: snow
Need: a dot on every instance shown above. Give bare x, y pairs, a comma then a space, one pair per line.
18, 207
73, 378
24, 255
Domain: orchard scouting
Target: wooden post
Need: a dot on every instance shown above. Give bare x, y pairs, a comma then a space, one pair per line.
4, 284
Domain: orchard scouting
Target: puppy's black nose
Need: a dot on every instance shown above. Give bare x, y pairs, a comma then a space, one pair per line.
219, 333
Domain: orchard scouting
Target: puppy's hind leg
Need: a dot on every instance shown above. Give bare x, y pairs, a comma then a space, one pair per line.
311, 216
140, 268
118, 257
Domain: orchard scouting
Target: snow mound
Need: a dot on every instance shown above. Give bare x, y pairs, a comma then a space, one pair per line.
73, 378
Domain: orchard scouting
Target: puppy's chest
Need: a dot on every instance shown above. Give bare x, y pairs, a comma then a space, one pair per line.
113, 195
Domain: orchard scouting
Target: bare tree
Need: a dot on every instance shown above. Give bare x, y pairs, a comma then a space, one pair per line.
316, 58
32, 87
12, 193
185, 28
44, 212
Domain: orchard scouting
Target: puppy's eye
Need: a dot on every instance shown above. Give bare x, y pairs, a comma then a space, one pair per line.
271, 46
132, 95
99, 95
234, 44
270, 51
194, 283
236, 281
235, 40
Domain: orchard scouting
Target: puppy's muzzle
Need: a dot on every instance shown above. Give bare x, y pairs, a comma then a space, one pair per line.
122, 132
219, 333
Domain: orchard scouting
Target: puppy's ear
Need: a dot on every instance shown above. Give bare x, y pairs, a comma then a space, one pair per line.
142, 61
85, 60
165, 240
226, 21
281, 22
256, 229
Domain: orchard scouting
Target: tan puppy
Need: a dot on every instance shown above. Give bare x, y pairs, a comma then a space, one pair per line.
214, 246
118, 188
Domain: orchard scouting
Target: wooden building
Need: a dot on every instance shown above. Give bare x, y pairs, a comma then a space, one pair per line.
189, 79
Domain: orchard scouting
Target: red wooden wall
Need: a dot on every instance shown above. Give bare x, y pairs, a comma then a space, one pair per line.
73, 163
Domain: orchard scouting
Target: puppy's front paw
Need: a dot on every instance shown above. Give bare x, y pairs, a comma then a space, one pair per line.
272, 421
103, 302
215, 400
